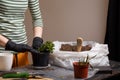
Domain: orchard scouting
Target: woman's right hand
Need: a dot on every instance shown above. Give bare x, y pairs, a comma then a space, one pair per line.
19, 47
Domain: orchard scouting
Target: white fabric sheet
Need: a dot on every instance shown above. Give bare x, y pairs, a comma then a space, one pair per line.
97, 55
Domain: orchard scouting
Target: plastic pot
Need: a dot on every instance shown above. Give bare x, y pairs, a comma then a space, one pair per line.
41, 59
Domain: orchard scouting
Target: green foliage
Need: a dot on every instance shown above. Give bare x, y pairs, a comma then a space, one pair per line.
48, 46
16, 75
86, 61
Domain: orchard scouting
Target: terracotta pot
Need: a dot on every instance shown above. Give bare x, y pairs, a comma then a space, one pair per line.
40, 59
80, 71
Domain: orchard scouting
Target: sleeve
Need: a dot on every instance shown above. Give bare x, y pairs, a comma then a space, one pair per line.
35, 13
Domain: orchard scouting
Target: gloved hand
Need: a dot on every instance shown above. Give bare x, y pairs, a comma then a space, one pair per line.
19, 47
37, 42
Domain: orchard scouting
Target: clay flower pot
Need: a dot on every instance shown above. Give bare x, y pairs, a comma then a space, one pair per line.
80, 69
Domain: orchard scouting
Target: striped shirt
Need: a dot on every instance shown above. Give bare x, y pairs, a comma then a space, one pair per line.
12, 14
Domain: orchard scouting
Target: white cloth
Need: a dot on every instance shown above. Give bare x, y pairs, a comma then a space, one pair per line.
97, 55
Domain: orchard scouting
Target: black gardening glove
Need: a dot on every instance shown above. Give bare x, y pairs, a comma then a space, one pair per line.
19, 47
37, 42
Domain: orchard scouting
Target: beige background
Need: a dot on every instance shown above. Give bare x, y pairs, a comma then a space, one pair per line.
65, 20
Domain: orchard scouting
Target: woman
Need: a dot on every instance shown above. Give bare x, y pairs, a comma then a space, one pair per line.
12, 29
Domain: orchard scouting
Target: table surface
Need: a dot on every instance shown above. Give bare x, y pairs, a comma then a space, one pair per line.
58, 73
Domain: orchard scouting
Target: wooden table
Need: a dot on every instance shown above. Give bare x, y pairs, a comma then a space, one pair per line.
57, 73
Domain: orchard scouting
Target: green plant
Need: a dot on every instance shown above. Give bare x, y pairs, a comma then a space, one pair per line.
48, 46
86, 61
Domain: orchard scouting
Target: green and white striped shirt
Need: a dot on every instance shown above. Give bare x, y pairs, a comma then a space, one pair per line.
12, 14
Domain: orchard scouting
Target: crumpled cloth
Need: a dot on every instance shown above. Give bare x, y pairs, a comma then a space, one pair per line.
97, 55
